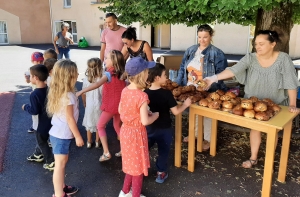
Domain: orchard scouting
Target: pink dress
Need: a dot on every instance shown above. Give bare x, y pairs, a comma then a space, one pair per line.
133, 135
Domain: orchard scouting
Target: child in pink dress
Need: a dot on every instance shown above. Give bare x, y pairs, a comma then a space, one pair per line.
133, 109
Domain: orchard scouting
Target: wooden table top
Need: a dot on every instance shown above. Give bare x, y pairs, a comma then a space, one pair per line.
278, 121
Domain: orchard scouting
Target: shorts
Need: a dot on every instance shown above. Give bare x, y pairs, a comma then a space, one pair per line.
60, 146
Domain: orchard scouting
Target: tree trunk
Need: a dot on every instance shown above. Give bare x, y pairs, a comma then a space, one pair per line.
278, 19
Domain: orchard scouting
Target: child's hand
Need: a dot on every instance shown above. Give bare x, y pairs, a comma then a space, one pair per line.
293, 109
155, 115
78, 93
187, 102
27, 78
23, 107
150, 113
79, 141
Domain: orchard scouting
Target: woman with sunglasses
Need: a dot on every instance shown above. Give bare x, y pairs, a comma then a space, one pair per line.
135, 48
200, 61
62, 40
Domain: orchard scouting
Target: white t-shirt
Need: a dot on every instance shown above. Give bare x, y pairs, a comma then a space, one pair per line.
60, 127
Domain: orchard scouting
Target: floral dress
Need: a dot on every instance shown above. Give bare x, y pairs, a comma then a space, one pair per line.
133, 135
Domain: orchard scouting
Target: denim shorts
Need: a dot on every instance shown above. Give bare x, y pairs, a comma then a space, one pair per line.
60, 146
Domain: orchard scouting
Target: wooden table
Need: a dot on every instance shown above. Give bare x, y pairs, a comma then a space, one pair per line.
282, 120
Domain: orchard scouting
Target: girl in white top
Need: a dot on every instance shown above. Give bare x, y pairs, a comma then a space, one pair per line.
63, 106
92, 100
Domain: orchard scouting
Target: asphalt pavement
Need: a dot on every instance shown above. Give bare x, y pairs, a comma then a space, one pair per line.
213, 177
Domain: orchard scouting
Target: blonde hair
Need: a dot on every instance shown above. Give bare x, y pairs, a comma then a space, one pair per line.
139, 79
94, 69
118, 62
64, 76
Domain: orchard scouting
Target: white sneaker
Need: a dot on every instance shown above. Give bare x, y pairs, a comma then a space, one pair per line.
122, 194
89, 145
130, 192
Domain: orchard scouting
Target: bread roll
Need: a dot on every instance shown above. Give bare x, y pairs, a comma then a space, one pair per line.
247, 104
260, 106
227, 104
203, 102
249, 113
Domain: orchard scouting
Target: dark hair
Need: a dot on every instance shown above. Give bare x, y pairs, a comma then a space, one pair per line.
157, 70
40, 71
49, 63
272, 36
130, 33
50, 53
206, 28
111, 15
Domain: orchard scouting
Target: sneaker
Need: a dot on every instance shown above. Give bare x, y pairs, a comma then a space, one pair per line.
49, 166
65, 195
161, 177
37, 158
31, 130
69, 190
97, 144
89, 145
49, 144
130, 192
122, 194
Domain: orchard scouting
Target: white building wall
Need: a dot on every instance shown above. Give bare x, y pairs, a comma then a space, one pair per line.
295, 42
182, 37
13, 27
231, 38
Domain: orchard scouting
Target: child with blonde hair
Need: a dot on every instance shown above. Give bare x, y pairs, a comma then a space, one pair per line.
133, 109
112, 88
63, 107
92, 100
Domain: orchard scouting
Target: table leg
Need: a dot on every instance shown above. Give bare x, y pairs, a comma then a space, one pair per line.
213, 137
269, 162
200, 133
178, 136
284, 152
191, 146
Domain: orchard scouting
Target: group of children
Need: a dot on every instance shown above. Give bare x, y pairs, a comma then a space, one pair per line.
141, 117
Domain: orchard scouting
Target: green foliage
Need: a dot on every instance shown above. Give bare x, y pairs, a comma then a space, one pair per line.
193, 12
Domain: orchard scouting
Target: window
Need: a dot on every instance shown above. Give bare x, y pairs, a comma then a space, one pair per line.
3, 33
72, 30
67, 3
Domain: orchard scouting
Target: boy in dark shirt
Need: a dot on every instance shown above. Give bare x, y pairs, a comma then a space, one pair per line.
161, 131
37, 106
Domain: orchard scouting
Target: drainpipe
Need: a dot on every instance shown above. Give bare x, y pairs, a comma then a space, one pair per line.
51, 21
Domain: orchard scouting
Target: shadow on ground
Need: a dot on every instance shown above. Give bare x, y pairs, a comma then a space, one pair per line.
219, 176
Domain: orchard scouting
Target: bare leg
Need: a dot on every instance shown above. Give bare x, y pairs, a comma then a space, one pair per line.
255, 140
59, 174
89, 136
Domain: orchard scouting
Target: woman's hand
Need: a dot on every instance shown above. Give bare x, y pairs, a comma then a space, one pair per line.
57, 51
210, 80
293, 109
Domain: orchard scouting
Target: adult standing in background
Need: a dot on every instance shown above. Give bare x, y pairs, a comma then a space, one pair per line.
111, 36
63, 39
135, 48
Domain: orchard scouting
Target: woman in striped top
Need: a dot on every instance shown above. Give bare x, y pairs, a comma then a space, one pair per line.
267, 73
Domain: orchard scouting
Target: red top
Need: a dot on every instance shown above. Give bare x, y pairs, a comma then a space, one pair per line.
112, 93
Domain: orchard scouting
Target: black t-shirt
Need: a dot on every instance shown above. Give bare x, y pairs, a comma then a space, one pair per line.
161, 101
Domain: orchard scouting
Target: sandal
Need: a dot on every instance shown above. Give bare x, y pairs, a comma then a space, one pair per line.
119, 154
105, 157
249, 163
